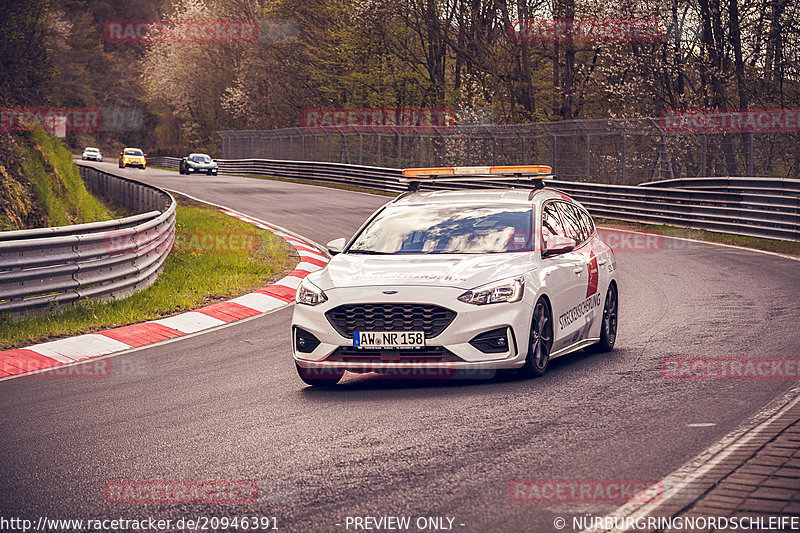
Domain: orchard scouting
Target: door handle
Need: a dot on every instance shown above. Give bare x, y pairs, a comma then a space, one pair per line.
602, 262
578, 270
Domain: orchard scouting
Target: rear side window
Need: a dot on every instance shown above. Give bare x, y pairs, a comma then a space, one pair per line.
572, 221
587, 221
551, 221
577, 223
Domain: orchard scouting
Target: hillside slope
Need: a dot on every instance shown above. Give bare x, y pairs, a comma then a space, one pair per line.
40, 186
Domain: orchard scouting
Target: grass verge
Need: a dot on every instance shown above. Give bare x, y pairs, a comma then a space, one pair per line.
769, 245
215, 257
57, 185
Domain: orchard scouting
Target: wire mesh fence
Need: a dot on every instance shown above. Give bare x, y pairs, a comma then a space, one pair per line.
616, 151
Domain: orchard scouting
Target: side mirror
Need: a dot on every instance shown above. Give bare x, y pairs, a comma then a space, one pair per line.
336, 246
558, 244
144, 155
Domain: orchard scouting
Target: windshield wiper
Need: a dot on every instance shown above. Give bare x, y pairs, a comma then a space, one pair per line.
367, 252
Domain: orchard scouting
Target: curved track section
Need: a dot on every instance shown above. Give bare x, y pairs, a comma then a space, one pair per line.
227, 404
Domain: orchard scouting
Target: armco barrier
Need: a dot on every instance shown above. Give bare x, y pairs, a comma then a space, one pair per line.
757, 207
47, 266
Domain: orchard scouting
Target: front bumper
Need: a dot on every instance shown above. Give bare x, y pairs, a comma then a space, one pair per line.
190, 168
133, 163
335, 351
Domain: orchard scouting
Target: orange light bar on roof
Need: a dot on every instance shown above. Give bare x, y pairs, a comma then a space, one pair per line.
521, 169
439, 171
536, 170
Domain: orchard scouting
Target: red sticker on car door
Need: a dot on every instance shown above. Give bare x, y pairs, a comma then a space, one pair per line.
594, 275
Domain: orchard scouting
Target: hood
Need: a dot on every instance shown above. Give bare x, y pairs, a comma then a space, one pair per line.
463, 271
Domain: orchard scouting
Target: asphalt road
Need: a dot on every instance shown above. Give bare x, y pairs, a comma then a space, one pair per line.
228, 405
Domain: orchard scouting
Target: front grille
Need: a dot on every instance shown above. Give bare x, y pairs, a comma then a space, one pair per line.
431, 319
427, 354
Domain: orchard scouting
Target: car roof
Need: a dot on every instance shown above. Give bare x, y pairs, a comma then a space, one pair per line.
509, 196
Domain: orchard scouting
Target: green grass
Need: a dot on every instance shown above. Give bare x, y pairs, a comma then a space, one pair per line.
191, 278
770, 245
57, 186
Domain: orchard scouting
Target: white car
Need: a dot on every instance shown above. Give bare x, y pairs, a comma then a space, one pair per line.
467, 280
92, 153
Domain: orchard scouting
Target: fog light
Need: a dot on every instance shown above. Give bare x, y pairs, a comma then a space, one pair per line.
304, 341
494, 341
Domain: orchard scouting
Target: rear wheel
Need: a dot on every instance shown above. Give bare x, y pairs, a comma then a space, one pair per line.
608, 329
319, 377
540, 341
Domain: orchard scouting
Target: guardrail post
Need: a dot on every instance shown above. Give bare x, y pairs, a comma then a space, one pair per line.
399, 150
703, 154
624, 157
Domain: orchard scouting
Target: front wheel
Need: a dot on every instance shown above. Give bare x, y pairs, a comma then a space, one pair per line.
608, 329
319, 377
540, 341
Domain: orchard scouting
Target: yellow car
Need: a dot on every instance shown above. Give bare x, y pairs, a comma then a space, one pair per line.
132, 157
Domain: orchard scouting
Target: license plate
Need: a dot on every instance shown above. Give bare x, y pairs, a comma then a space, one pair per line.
389, 339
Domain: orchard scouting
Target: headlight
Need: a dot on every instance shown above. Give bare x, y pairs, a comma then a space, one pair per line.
506, 290
310, 294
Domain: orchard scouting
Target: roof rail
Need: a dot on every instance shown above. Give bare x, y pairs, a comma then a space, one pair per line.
535, 174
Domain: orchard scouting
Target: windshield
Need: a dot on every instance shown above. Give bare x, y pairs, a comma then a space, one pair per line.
91, 150
454, 229
200, 159
133, 151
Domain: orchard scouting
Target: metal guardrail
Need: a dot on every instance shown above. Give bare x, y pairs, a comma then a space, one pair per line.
738, 211
785, 186
53, 266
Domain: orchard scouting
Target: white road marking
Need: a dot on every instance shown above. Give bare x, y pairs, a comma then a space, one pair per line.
190, 322
259, 302
78, 348
678, 484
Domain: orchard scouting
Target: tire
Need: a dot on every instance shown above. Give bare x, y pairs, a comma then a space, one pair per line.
319, 377
121, 165
540, 341
608, 328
